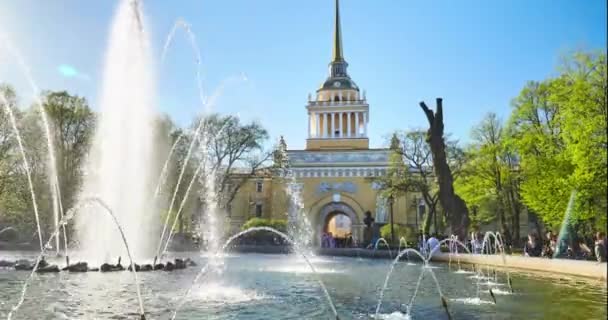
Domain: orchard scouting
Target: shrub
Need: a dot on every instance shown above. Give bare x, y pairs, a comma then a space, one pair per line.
400, 231
263, 237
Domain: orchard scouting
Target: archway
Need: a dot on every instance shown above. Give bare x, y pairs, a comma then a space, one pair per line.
339, 219
340, 228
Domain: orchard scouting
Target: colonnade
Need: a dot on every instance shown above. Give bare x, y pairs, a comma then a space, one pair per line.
341, 124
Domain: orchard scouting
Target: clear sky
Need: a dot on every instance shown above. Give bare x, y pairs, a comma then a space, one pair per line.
477, 55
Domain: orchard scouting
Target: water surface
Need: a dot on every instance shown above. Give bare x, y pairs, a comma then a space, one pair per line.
255, 286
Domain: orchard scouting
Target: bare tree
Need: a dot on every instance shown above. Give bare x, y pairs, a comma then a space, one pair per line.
455, 207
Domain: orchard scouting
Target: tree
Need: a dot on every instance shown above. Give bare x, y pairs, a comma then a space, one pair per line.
235, 154
411, 170
72, 127
558, 129
487, 183
580, 91
455, 207
12, 206
8, 142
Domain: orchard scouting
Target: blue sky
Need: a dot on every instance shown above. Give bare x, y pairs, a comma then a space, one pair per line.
477, 55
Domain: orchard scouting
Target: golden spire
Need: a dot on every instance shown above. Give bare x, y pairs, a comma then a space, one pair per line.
336, 55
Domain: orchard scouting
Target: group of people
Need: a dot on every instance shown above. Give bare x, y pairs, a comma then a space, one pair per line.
329, 241
554, 246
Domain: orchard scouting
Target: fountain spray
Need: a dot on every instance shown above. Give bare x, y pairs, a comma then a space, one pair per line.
51, 160
444, 303
492, 295
119, 166
26, 165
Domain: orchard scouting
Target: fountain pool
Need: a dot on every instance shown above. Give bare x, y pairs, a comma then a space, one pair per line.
256, 286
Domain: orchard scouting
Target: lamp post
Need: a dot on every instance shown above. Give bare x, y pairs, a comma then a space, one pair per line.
390, 203
415, 206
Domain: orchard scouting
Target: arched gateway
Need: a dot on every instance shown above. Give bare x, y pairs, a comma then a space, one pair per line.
339, 219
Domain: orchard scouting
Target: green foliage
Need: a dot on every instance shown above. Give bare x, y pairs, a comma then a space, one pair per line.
411, 170
488, 179
73, 125
558, 128
405, 232
278, 224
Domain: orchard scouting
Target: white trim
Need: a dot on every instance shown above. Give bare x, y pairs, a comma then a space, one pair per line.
334, 172
348, 125
332, 134
365, 124
341, 125
309, 126
356, 124
325, 125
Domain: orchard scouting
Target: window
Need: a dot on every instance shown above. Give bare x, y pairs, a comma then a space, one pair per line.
259, 186
258, 210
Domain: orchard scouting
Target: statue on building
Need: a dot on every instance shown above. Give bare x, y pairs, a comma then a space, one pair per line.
279, 156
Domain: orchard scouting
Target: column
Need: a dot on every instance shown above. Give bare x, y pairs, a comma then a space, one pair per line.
317, 125
309, 120
333, 122
341, 115
356, 124
365, 124
348, 124
325, 125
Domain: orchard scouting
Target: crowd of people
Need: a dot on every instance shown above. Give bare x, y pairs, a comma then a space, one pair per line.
551, 246
554, 246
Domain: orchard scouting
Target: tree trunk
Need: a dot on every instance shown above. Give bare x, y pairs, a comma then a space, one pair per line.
455, 207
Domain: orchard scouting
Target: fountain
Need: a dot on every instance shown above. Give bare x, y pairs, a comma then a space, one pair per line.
70, 214
390, 254
116, 222
26, 165
51, 160
282, 235
299, 227
119, 166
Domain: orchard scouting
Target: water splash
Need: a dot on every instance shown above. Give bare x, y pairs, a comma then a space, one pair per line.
181, 23
402, 242
299, 226
195, 138
51, 160
26, 165
390, 272
386, 244
564, 230
285, 237
207, 104
7, 229
209, 184
65, 219
163, 172
119, 166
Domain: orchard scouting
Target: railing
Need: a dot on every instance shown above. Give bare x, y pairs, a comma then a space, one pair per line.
337, 103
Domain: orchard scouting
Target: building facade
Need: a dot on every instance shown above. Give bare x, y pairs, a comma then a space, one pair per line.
336, 169
335, 172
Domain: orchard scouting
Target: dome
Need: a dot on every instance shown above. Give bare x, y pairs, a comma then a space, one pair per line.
342, 83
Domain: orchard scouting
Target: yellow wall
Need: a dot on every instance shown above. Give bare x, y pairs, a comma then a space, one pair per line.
337, 144
276, 203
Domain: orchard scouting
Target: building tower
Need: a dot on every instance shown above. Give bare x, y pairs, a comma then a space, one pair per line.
339, 113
